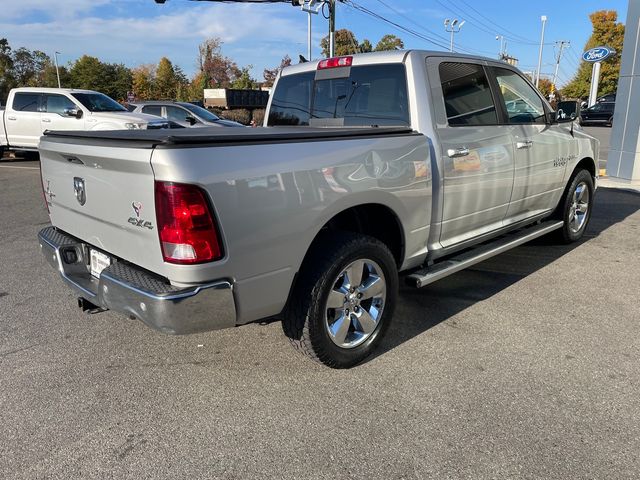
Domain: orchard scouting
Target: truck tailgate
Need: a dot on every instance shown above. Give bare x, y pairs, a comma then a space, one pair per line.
104, 195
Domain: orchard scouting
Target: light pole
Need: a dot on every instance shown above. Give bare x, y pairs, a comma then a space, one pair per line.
55, 56
544, 22
502, 46
312, 8
453, 27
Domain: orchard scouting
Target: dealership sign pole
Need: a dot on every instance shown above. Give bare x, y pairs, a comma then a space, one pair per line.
596, 56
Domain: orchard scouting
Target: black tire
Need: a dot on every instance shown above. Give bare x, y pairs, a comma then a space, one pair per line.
572, 230
610, 122
307, 316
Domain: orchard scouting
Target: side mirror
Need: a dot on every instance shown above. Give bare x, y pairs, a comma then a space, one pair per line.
192, 120
552, 117
72, 112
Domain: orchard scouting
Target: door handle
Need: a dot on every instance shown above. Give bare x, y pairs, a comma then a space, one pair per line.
46, 120
525, 144
11, 118
458, 152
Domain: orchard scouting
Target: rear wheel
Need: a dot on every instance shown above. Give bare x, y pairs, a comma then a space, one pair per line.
610, 122
575, 207
343, 300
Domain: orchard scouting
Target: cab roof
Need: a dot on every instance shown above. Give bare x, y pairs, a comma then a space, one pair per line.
391, 56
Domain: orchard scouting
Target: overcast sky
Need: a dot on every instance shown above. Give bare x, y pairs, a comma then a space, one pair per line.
139, 31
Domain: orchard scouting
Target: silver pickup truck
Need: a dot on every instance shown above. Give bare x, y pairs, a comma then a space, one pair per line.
409, 161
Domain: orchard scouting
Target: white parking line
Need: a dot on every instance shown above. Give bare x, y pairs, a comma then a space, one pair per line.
23, 168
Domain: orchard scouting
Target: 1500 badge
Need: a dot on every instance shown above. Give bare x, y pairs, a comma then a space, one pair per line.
562, 161
137, 221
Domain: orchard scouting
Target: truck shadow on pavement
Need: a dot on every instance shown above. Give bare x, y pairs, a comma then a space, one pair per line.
418, 310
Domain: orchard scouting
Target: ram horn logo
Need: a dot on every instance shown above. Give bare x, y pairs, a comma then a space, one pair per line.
137, 207
79, 190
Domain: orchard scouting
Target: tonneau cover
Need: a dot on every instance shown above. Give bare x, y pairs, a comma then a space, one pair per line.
217, 135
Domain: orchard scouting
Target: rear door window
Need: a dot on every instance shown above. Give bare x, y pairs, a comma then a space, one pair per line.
467, 95
371, 95
153, 110
26, 102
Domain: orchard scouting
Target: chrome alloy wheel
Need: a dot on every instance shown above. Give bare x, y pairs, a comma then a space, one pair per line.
355, 303
579, 207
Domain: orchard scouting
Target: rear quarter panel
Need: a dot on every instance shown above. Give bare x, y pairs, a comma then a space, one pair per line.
271, 200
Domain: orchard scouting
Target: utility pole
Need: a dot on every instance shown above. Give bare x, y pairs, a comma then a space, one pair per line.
332, 28
55, 56
561, 44
544, 22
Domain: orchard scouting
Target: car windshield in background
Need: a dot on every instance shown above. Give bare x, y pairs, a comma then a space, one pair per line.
203, 113
98, 102
373, 95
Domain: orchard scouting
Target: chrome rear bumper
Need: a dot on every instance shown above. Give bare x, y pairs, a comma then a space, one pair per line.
135, 292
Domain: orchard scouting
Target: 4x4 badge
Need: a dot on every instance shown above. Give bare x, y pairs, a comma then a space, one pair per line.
137, 221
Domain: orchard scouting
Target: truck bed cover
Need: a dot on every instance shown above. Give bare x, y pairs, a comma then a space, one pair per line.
214, 135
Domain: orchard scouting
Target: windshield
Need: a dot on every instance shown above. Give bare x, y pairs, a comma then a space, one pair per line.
371, 95
203, 113
98, 102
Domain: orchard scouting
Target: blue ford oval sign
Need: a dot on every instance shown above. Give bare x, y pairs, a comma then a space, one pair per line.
598, 54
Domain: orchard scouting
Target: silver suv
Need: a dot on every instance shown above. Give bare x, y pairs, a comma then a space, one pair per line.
182, 113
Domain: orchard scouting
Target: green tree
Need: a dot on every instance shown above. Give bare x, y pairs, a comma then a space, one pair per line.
196, 88
165, 82
365, 46
182, 85
389, 42
112, 79
6, 69
118, 81
609, 32
244, 81
345, 43
49, 78
89, 73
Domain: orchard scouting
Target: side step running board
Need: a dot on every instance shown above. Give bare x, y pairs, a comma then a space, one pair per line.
454, 264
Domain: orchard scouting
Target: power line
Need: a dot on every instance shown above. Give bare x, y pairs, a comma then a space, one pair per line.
503, 29
477, 23
365, 10
437, 35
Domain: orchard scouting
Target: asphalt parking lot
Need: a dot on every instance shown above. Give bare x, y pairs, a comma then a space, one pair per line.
526, 366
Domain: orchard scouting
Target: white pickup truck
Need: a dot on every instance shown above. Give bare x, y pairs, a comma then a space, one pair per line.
32, 111
417, 162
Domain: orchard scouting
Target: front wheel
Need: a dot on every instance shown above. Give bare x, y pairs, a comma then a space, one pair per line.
575, 207
343, 300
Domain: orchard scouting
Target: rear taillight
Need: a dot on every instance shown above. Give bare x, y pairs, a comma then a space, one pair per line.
335, 62
186, 225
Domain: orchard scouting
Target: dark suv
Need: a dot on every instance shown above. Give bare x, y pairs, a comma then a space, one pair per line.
601, 112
